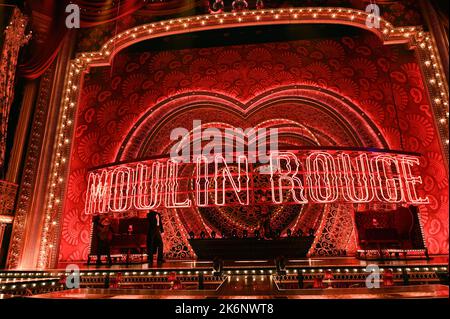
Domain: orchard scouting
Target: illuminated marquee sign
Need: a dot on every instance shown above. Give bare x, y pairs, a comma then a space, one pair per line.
292, 177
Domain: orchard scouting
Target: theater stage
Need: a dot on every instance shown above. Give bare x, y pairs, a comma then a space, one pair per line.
308, 278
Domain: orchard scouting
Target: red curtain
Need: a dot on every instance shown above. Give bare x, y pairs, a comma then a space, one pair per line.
95, 12
48, 24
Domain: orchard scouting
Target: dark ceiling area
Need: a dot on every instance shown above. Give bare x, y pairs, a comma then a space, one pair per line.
247, 35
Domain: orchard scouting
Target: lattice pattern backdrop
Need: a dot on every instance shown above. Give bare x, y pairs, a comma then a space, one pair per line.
177, 245
336, 234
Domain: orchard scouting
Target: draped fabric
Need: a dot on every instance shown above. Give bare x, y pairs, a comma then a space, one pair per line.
48, 20
49, 29
96, 12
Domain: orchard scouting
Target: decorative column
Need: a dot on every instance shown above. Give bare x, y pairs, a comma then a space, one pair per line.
21, 133
439, 32
29, 223
7, 199
15, 38
2, 232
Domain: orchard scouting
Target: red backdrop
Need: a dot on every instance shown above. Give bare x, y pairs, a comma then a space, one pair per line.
359, 68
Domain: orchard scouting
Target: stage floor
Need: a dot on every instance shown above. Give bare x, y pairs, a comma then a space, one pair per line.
239, 287
246, 280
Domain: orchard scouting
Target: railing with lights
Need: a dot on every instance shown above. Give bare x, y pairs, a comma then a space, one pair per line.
25, 283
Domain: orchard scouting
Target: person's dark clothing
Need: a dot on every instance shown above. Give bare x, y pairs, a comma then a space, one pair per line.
154, 239
104, 238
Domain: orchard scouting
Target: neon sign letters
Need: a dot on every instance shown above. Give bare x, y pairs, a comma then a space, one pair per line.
293, 177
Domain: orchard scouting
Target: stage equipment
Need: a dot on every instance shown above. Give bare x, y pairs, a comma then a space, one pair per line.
280, 263
250, 248
201, 281
388, 278
405, 277
328, 277
217, 267
300, 279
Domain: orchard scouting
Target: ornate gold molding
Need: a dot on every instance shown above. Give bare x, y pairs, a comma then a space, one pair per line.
15, 38
22, 131
7, 198
29, 170
29, 220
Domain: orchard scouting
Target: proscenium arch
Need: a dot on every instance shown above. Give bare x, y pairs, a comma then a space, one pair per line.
141, 132
386, 32
414, 37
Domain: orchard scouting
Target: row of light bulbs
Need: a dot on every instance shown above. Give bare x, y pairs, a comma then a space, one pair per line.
238, 272
436, 85
49, 236
28, 285
248, 16
191, 272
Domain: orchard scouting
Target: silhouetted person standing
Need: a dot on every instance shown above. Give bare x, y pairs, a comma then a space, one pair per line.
154, 239
104, 235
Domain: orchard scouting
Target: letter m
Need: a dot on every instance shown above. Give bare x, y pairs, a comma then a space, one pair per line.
98, 193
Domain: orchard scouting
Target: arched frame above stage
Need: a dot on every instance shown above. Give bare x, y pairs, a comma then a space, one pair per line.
416, 39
